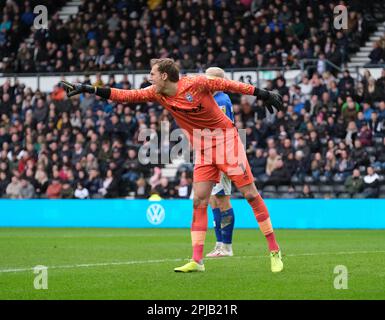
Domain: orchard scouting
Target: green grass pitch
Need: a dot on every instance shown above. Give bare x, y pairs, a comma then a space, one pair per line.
138, 264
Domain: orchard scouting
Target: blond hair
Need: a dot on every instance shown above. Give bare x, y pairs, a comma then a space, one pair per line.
215, 72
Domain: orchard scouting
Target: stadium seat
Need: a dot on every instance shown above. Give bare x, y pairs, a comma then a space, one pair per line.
324, 179
344, 196
338, 179
339, 189
326, 189
270, 195
371, 151
378, 140
295, 180
318, 195
269, 189
298, 188
288, 195
314, 188
362, 169
324, 141
283, 188
359, 196
309, 179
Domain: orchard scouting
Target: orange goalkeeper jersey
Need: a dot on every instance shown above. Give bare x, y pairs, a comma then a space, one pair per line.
193, 106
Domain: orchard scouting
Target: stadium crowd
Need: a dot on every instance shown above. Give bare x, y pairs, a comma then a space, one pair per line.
124, 35
329, 143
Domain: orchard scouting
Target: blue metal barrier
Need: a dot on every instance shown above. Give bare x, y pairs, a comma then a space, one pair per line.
302, 214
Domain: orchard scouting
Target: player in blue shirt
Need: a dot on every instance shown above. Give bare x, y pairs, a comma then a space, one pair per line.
220, 196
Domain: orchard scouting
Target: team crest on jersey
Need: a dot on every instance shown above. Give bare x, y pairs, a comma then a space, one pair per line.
189, 97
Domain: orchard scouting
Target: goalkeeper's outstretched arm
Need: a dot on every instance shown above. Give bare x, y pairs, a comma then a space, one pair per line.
118, 95
270, 99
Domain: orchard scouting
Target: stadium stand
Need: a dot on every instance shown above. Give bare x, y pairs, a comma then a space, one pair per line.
329, 143
124, 35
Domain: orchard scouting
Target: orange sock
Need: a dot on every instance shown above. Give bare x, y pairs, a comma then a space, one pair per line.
198, 232
263, 218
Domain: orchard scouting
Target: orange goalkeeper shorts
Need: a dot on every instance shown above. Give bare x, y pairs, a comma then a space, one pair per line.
228, 157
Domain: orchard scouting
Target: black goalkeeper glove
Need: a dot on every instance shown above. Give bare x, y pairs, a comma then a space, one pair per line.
270, 99
73, 89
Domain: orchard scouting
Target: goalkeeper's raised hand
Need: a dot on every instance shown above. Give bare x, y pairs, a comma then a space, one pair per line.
73, 89
270, 99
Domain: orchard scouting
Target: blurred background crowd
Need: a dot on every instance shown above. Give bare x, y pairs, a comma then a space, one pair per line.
125, 35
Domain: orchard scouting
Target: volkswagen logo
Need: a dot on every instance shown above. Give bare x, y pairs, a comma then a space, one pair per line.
155, 214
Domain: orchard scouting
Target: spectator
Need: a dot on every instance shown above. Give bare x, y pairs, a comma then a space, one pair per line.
142, 189
3, 183
359, 155
350, 109
376, 54
351, 133
306, 192
54, 189
164, 189
110, 187
81, 192
258, 164
13, 188
94, 183
344, 165
365, 136
354, 184
41, 181
371, 183
376, 125
183, 188
132, 168
27, 191
280, 174
271, 161
302, 165
67, 192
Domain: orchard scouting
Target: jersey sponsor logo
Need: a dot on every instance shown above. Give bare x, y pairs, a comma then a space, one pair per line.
155, 214
189, 97
192, 110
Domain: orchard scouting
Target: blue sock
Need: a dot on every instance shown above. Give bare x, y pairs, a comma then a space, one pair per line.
227, 226
217, 224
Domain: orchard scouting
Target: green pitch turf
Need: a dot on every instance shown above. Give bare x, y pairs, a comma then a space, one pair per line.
138, 264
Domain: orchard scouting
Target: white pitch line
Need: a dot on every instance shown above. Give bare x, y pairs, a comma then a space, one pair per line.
104, 264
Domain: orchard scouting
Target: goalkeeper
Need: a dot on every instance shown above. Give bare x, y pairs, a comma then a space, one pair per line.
190, 102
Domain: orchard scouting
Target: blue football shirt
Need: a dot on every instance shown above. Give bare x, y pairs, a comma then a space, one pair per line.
224, 103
